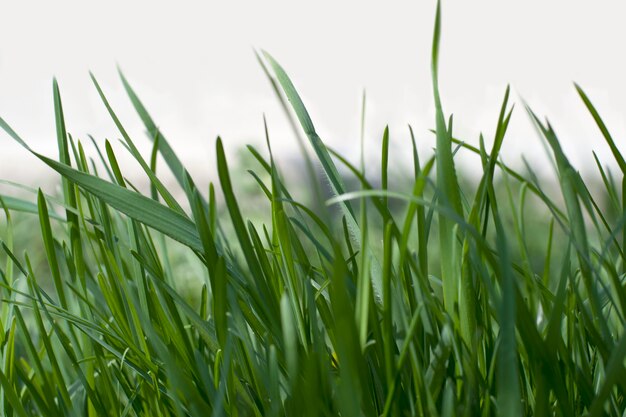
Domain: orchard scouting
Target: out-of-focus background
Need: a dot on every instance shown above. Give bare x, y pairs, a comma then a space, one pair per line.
193, 65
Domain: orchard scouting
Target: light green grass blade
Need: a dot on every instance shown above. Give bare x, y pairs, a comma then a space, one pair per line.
323, 156
317, 192
605, 131
154, 181
448, 185
134, 205
24, 206
154, 133
569, 181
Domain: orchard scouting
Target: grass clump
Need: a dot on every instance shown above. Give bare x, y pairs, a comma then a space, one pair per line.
457, 313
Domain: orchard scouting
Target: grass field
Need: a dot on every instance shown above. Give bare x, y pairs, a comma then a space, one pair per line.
503, 297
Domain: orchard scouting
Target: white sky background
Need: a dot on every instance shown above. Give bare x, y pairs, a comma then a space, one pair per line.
192, 64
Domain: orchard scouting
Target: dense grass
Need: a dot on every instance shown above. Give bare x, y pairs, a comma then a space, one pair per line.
441, 301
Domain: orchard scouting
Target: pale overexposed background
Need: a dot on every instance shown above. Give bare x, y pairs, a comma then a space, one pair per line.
193, 65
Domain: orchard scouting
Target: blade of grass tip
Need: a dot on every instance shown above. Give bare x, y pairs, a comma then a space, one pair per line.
568, 179
212, 210
422, 238
415, 209
416, 160
153, 166
329, 167
34, 191
115, 167
69, 189
156, 182
256, 276
467, 294
337, 184
134, 205
24, 206
101, 156
609, 185
447, 183
281, 189
46, 232
206, 236
288, 246
501, 128
139, 207
78, 152
64, 155
446, 172
154, 193
13, 258
233, 208
503, 123
609, 140
154, 134
532, 185
384, 164
605, 132
202, 224
294, 127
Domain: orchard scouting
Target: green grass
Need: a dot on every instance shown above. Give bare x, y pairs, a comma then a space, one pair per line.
503, 297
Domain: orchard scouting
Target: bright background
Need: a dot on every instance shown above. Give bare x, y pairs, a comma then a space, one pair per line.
193, 65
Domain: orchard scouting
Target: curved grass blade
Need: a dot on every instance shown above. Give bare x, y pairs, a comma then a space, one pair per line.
154, 180
447, 185
328, 165
605, 131
154, 133
24, 206
134, 205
